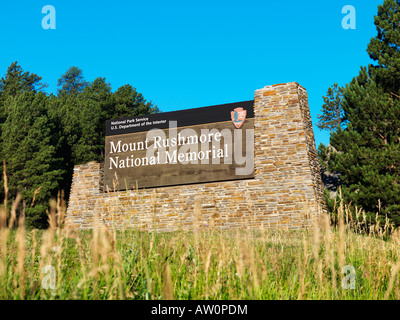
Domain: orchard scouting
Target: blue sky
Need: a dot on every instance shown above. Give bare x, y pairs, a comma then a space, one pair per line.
187, 54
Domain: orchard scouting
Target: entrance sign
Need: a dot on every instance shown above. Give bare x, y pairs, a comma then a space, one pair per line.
198, 145
246, 165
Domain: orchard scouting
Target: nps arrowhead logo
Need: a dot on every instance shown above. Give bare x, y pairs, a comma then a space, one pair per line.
238, 115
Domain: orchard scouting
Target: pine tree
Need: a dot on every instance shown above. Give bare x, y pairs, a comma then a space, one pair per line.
72, 81
15, 82
95, 103
29, 154
42, 137
384, 48
368, 149
332, 115
130, 103
82, 108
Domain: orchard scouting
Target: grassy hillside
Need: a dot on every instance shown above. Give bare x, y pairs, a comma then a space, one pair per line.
59, 263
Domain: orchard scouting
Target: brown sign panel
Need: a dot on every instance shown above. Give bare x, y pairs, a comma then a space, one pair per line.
173, 150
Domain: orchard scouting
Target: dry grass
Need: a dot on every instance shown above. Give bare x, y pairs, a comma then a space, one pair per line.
61, 263
265, 264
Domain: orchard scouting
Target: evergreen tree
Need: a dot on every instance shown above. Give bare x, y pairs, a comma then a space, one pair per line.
62, 115
83, 113
42, 137
15, 82
96, 103
384, 48
72, 81
332, 115
368, 149
130, 103
27, 149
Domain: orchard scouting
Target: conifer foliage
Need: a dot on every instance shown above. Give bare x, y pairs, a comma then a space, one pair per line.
44, 135
332, 115
368, 149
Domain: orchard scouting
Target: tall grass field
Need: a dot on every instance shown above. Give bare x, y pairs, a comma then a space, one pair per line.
340, 261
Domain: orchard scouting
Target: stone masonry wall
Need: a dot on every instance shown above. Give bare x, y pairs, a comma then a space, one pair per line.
286, 191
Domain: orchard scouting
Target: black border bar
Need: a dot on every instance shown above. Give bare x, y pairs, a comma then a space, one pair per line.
187, 117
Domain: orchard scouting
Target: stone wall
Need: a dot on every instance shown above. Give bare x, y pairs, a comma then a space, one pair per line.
286, 190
